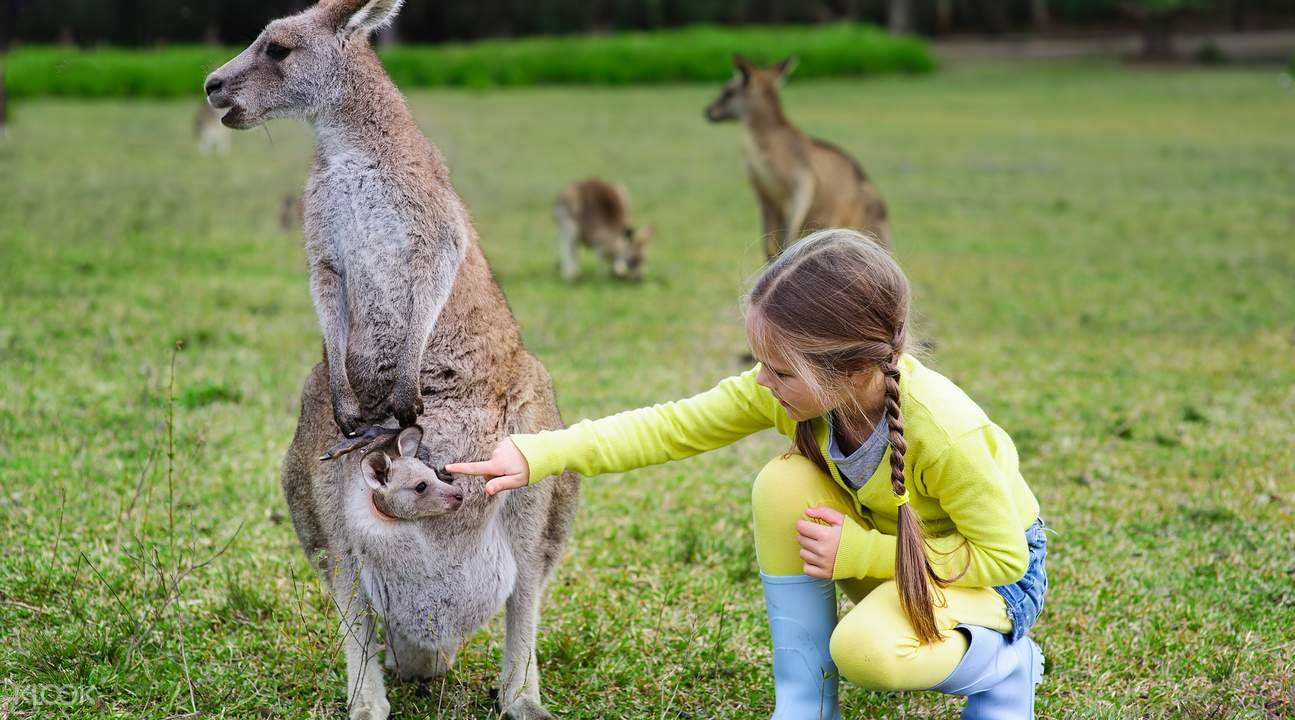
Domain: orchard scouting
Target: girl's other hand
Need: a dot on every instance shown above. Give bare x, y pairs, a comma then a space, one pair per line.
506, 469
819, 541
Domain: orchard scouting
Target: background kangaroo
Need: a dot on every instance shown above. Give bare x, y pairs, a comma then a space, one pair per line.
801, 183
395, 268
211, 135
595, 213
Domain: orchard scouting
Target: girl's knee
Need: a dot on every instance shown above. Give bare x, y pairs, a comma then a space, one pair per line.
870, 659
785, 487
870, 645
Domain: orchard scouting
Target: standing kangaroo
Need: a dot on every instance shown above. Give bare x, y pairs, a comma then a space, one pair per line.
801, 183
411, 317
212, 136
595, 213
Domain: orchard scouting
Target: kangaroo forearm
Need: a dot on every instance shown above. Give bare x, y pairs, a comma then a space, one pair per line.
330, 307
432, 280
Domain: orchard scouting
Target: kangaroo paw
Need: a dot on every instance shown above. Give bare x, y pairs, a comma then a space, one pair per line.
526, 709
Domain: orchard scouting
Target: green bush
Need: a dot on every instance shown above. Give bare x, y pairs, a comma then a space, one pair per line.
700, 53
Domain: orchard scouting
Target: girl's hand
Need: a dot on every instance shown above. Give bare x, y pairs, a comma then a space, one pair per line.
506, 469
819, 542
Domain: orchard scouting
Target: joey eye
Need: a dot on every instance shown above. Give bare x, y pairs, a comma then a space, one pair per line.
276, 51
420, 488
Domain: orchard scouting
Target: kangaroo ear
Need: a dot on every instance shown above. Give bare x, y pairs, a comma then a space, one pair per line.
743, 66
785, 67
643, 235
408, 439
374, 466
364, 16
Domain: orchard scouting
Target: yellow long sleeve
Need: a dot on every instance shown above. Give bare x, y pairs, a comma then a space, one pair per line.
728, 412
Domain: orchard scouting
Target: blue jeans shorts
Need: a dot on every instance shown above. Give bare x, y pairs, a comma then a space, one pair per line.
1025, 596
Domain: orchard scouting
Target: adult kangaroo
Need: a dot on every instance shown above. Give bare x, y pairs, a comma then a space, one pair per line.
414, 325
802, 183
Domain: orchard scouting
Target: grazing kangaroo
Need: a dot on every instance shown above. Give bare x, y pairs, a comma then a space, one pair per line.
212, 136
595, 214
801, 183
395, 269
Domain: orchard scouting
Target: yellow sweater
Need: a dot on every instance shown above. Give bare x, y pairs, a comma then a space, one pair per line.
961, 469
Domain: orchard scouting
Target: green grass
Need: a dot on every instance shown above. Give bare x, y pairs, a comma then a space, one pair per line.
1104, 258
701, 53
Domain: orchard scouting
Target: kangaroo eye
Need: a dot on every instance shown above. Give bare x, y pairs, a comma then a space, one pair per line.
276, 51
422, 486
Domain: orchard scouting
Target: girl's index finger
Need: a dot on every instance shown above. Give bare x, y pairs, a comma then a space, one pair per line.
484, 468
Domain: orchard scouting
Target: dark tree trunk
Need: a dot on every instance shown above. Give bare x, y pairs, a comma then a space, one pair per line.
1237, 15
996, 16
944, 16
900, 18
1040, 16
1158, 36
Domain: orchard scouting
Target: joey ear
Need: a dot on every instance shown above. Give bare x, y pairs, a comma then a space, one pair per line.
363, 16
374, 466
785, 67
743, 66
408, 439
643, 235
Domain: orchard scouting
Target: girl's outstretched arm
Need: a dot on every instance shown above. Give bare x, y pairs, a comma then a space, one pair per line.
731, 410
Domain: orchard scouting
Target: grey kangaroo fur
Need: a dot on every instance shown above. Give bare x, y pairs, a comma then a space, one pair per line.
414, 325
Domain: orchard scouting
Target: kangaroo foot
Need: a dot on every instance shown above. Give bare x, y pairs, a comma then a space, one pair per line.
368, 436
526, 709
370, 706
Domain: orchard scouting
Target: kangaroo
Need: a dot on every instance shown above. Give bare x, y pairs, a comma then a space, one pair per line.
212, 136
405, 299
595, 214
801, 183
290, 212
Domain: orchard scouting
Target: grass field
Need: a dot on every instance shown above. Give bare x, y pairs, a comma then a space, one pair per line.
1105, 259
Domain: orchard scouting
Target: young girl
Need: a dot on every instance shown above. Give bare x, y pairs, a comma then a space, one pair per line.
898, 488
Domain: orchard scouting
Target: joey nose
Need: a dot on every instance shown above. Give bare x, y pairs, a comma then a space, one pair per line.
213, 84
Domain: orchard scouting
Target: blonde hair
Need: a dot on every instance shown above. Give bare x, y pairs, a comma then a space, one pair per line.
832, 305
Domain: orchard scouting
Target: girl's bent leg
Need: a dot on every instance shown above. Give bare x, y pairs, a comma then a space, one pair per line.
801, 609
787, 487
876, 647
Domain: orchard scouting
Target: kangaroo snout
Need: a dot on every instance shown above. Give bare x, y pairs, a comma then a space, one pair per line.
215, 87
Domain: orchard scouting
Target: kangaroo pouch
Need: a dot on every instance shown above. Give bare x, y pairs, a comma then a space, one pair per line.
436, 596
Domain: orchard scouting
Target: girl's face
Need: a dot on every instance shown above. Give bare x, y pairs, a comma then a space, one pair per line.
800, 402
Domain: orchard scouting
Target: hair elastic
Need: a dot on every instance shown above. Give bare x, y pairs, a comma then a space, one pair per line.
901, 499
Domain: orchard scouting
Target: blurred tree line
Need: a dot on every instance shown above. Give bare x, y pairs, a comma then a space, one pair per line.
145, 22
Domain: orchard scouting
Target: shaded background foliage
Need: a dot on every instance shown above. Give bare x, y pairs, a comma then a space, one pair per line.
143, 22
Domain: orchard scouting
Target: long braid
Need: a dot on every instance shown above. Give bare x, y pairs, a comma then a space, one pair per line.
913, 573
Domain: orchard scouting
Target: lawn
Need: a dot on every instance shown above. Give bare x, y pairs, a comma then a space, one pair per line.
1103, 258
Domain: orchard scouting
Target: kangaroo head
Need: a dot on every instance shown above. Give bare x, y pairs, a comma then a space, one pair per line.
750, 87
630, 252
403, 487
296, 66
